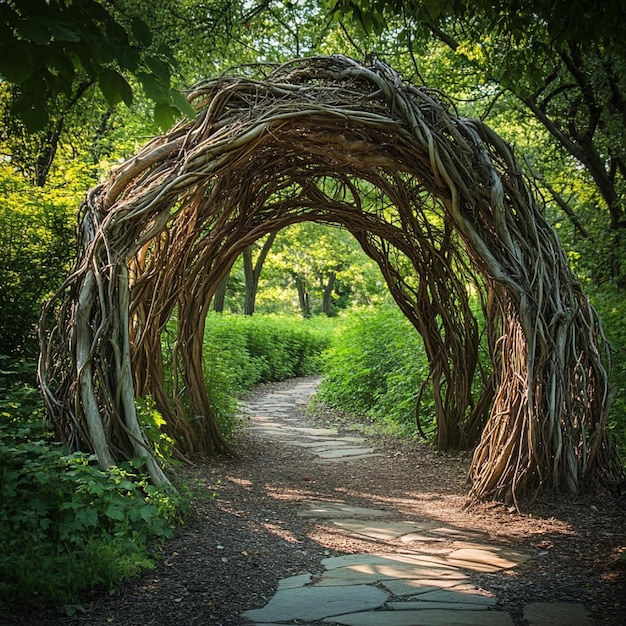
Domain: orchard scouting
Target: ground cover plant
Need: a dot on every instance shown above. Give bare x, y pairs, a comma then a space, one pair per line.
611, 304
68, 525
376, 364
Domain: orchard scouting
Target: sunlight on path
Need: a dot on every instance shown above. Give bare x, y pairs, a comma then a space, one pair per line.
424, 585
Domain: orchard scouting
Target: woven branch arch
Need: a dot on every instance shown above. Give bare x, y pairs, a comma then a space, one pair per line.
438, 201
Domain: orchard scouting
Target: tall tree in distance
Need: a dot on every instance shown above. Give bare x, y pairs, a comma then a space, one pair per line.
252, 269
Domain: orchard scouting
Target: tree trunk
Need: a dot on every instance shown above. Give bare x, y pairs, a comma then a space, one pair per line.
303, 297
252, 273
327, 293
220, 294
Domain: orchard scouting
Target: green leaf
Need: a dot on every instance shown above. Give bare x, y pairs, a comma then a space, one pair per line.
33, 115
116, 34
34, 30
60, 64
180, 102
165, 115
114, 87
434, 9
62, 31
115, 511
159, 68
154, 89
15, 62
89, 517
141, 31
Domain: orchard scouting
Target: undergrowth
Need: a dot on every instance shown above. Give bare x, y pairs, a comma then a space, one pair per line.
241, 351
611, 306
68, 525
374, 368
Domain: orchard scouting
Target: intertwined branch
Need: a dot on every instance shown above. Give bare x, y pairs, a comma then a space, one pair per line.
437, 200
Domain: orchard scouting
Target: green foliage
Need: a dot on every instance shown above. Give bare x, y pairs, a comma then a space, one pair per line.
68, 525
322, 251
374, 367
35, 247
48, 48
241, 351
151, 422
611, 306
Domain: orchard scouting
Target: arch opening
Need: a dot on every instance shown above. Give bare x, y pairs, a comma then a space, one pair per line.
437, 201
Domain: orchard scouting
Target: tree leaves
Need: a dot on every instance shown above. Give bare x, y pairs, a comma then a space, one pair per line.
47, 47
115, 87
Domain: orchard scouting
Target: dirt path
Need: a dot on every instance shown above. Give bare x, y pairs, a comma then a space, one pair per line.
305, 492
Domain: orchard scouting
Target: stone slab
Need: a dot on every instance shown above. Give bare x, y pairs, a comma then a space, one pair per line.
343, 452
348, 576
410, 587
418, 605
462, 594
316, 603
486, 559
326, 432
336, 510
413, 537
370, 574
435, 617
380, 529
383, 558
557, 614
271, 430
454, 532
355, 440
293, 582
343, 459
324, 445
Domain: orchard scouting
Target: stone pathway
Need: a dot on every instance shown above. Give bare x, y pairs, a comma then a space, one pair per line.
425, 585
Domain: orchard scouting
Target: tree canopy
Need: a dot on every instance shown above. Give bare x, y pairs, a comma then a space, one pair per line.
566, 62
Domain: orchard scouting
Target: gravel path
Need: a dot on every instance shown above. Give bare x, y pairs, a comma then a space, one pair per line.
245, 534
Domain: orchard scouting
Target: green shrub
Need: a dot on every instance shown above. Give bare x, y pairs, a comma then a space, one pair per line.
68, 525
374, 368
611, 306
241, 351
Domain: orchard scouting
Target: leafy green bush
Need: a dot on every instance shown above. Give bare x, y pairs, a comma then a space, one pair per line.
68, 525
611, 306
374, 368
241, 351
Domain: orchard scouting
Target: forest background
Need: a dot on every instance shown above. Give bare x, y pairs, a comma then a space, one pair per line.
85, 84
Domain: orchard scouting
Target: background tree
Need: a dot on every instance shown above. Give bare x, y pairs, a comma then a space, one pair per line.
326, 268
252, 268
565, 64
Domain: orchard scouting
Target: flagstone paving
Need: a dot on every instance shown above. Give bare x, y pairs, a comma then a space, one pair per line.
428, 584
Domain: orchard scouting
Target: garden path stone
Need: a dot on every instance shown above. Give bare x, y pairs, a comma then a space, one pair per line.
464, 594
338, 510
378, 529
344, 458
422, 605
426, 585
557, 614
412, 587
343, 452
433, 617
314, 603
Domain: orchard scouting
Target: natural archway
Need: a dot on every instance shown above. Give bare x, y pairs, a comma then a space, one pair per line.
436, 200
